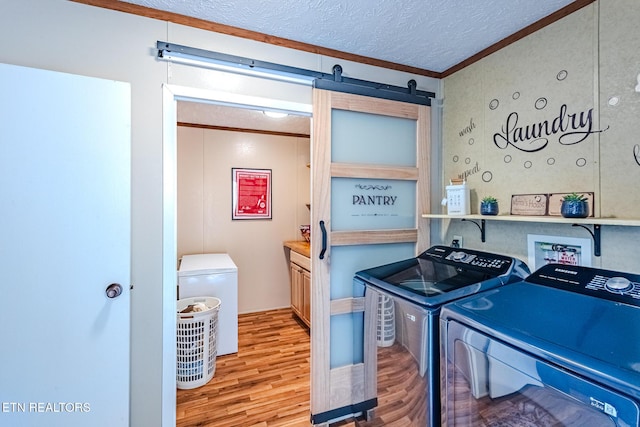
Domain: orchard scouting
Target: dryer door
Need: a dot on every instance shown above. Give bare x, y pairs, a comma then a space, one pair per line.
491, 383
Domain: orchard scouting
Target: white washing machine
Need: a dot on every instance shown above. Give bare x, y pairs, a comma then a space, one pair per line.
214, 275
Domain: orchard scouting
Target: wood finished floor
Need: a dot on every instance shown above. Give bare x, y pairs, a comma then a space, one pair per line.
267, 382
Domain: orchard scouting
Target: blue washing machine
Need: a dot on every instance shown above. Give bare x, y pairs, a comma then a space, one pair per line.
406, 297
561, 348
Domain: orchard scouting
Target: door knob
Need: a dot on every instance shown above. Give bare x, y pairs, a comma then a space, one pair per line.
113, 290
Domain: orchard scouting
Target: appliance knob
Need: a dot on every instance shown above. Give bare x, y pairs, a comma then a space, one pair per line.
458, 256
618, 284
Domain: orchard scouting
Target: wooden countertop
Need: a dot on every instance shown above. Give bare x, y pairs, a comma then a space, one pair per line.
300, 246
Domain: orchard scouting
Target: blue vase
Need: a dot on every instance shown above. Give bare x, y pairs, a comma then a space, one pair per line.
489, 208
574, 209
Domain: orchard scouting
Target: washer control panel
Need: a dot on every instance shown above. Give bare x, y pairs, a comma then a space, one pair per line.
611, 285
479, 260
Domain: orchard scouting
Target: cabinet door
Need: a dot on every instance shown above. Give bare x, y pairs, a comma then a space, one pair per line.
306, 297
296, 290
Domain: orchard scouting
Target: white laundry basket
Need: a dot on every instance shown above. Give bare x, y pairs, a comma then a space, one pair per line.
386, 331
197, 333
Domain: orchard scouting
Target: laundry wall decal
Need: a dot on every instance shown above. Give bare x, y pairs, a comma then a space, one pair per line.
571, 128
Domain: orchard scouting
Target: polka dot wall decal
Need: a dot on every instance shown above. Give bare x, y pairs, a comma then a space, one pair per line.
541, 103
507, 159
581, 162
515, 95
455, 159
467, 160
487, 176
551, 161
471, 141
528, 164
562, 74
494, 104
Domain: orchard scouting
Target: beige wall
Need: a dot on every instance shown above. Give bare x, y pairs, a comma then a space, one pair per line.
205, 159
581, 62
518, 87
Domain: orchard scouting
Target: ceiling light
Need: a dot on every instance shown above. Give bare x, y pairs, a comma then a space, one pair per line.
275, 114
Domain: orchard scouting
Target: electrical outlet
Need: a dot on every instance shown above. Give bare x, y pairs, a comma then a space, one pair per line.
456, 242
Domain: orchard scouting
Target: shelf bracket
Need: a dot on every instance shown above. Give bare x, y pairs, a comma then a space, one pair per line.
481, 226
595, 234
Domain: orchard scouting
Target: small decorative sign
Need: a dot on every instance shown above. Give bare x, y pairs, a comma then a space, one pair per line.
557, 250
529, 204
251, 193
555, 202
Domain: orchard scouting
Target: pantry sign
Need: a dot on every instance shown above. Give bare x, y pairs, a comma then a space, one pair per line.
373, 204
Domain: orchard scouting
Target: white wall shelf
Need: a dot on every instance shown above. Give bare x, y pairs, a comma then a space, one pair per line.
576, 222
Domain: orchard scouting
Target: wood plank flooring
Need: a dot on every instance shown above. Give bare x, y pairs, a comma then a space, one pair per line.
267, 382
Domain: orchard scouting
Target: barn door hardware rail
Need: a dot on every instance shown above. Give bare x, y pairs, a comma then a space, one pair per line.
334, 81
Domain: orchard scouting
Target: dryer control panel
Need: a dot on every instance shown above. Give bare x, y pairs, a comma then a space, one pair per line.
611, 285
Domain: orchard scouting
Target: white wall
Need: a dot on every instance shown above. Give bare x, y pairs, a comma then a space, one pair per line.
69, 37
65, 36
205, 159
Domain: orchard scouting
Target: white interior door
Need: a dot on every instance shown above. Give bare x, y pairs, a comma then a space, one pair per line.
64, 238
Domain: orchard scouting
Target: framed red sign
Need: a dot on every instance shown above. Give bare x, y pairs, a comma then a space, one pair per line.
251, 193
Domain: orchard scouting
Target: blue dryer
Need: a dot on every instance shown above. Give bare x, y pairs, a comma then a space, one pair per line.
561, 348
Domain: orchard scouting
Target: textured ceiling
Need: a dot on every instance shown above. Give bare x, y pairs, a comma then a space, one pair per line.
433, 35
429, 34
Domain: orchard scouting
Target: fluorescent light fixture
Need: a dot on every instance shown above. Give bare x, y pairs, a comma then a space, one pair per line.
229, 99
229, 67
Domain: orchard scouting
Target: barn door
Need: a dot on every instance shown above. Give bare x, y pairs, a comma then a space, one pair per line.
369, 187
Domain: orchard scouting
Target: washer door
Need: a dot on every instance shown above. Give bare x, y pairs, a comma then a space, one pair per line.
400, 352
